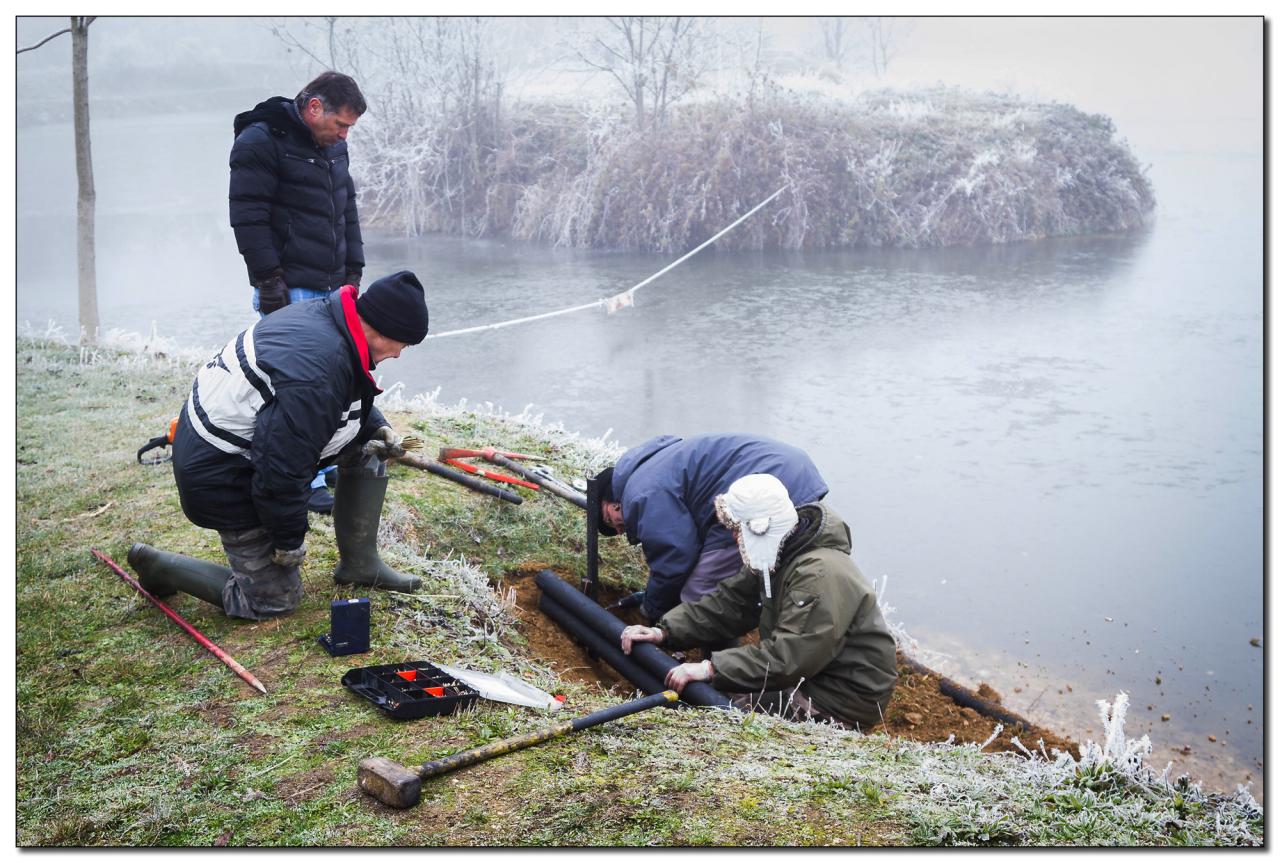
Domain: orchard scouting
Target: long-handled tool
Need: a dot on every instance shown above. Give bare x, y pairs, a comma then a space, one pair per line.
508, 460
400, 787
190, 630
451, 452
488, 474
459, 477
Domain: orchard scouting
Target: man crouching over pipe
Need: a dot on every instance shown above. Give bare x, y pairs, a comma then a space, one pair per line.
291, 393
824, 651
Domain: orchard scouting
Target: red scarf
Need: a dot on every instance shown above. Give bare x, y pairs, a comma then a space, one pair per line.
348, 297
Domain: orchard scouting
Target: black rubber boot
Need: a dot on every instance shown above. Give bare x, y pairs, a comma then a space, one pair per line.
164, 573
320, 501
357, 510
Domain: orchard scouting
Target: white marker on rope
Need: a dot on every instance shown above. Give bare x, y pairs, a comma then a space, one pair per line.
618, 301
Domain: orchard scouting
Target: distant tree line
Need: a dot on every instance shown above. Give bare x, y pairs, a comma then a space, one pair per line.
681, 153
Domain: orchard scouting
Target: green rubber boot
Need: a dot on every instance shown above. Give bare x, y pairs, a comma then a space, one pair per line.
164, 573
357, 510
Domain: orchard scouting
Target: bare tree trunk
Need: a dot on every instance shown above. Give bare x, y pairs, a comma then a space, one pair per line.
85, 197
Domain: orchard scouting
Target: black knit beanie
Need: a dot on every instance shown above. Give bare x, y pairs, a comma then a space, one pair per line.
395, 306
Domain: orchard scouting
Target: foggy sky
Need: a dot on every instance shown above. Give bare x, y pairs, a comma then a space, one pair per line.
1167, 82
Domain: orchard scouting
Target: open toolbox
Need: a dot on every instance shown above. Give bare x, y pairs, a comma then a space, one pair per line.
410, 690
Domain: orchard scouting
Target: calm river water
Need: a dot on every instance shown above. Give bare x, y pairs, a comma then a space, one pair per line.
1053, 451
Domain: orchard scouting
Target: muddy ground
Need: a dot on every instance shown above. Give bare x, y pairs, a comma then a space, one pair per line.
919, 709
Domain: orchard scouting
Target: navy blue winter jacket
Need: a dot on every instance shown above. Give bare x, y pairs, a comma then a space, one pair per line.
667, 487
284, 396
293, 203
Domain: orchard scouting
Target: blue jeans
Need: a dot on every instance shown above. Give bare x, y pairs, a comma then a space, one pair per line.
296, 295
300, 295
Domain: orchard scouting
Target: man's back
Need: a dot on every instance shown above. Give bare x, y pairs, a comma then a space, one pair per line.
694, 470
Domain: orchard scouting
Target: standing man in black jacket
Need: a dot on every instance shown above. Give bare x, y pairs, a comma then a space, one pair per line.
293, 203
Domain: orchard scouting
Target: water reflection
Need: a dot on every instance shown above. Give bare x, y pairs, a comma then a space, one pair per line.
1019, 436
1053, 449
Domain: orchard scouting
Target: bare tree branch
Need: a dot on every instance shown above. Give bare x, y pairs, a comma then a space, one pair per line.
286, 36
656, 60
51, 36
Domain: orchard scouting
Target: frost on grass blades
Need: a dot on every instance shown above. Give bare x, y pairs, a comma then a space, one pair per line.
931, 793
118, 347
592, 453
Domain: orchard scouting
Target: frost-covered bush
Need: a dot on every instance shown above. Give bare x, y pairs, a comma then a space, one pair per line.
934, 168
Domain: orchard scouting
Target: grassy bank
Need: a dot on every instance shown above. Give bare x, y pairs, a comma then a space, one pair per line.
128, 734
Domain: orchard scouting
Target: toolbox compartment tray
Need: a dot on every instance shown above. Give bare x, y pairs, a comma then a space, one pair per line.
410, 690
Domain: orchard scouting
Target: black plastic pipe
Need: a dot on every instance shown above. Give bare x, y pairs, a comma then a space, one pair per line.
609, 651
966, 697
653, 660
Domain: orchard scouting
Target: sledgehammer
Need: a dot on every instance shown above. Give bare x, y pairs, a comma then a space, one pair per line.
399, 787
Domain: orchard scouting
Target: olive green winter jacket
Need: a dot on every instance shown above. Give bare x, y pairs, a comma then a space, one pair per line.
821, 629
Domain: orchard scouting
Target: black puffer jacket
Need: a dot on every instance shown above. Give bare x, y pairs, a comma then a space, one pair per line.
287, 394
293, 204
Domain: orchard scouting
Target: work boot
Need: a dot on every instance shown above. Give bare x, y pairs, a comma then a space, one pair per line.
357, 510
164, 573
320, 501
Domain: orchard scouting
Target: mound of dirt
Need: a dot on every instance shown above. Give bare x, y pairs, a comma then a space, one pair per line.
920, 709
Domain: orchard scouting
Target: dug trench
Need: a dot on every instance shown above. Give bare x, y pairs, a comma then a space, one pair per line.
926, 706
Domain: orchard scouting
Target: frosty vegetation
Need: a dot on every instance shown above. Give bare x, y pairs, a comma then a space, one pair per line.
676, 146
945, 793
927, 169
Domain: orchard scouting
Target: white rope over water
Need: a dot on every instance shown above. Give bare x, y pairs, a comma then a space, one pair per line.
617, 301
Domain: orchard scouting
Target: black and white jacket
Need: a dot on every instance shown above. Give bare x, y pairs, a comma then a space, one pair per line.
283, 397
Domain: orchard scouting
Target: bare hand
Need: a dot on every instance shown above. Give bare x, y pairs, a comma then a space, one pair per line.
682, 675
635, 633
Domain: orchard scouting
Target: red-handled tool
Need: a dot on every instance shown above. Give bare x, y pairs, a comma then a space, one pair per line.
540, 476
190, 630
486, 453
488, 474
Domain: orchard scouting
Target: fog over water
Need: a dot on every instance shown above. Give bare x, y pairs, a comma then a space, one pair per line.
1052, 450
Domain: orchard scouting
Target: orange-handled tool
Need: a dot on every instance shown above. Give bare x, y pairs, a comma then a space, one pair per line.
488, 474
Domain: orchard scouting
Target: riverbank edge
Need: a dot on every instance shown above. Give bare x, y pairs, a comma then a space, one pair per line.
129, 735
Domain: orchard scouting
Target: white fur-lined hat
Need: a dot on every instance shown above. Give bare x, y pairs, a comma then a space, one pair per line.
759, 506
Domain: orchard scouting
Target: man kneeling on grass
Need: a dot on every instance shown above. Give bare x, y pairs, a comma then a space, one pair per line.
292, 392
824, 651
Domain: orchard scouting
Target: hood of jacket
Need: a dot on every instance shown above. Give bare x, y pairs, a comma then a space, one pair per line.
636, 456
278, 112
819, 527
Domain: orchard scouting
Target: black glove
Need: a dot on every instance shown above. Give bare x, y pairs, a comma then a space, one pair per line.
631, 600
273, 293
353, 278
